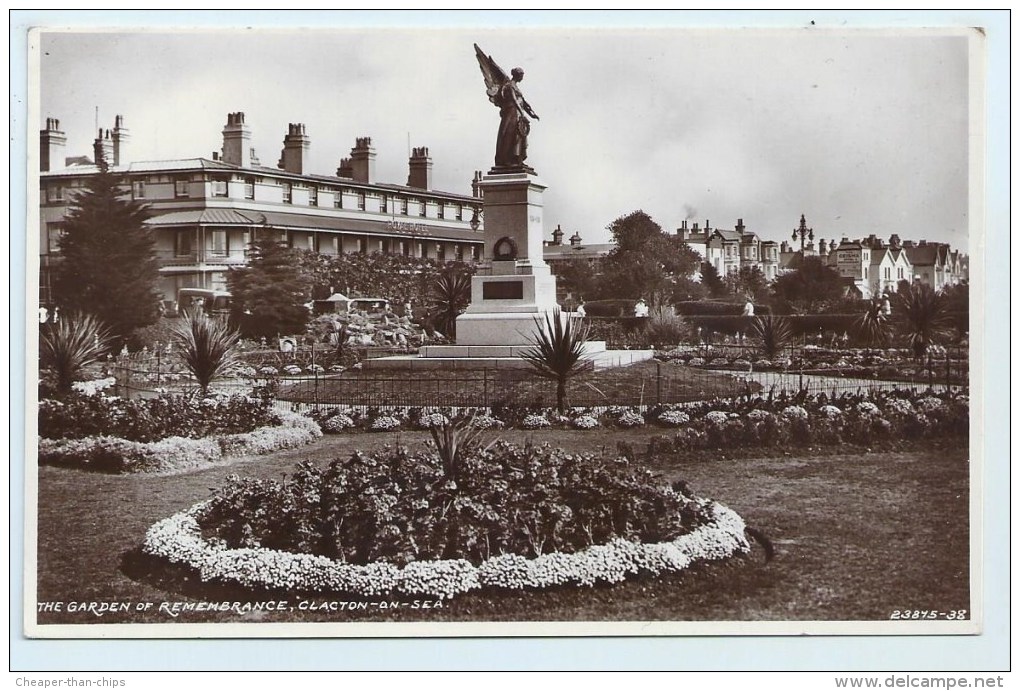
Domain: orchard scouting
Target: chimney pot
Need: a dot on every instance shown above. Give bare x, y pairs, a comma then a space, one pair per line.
363, 160
51, 145
236, 141
420, 168
295, 149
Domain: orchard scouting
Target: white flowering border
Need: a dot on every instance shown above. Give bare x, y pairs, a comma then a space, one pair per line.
178, 454
179, 540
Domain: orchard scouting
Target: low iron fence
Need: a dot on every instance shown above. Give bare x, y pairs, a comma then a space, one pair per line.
646, 384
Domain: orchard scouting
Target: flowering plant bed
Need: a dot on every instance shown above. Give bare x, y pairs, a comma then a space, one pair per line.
447, 522
80, 416
890, 364
175, 454
756, 420
179, 540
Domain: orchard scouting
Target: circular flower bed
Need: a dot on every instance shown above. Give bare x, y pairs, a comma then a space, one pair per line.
178, 539
500, 517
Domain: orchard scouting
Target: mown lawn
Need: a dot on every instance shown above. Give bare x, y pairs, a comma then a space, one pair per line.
857, 535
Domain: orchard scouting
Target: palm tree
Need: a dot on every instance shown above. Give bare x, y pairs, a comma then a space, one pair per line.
451, 294
207, 347
558, 352
922, 316
775, 334
873, 326
72, 344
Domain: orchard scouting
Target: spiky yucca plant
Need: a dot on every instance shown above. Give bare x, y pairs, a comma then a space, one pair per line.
451, 294
775, 334
558, 352
922, 317
453, 439
208, 347
72, 344
873, 326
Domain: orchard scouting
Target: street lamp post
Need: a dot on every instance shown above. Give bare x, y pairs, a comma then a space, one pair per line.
803, 232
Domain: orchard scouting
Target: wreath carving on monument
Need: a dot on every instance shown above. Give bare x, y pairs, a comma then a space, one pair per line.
505, 249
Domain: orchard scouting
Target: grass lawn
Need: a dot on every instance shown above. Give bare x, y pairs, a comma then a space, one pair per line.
857, 536
641, 383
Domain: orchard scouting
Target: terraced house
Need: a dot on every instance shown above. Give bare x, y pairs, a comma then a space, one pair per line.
730, 250
206, 211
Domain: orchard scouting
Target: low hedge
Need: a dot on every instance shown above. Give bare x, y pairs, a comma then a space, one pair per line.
708, 308
801, 324
610, 308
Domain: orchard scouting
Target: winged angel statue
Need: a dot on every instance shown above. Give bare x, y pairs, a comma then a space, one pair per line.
514, 126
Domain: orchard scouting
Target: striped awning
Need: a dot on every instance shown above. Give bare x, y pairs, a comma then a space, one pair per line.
382, 227
219, 217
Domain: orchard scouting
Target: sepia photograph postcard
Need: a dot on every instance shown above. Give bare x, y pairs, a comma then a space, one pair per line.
493, 330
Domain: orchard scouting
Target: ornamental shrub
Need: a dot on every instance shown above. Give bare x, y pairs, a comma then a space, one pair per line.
400, 507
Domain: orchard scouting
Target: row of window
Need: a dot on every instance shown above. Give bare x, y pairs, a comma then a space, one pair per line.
888, 272
219, 188
220, 246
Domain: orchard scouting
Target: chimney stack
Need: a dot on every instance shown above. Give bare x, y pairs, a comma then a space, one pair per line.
740, 226
120, 140
102, 148
894, 241
476, 190
575, 239
784, 246
236, 141
295, 149
52, 141
363, 160
346, 170
557, 235
823, 248
420, 168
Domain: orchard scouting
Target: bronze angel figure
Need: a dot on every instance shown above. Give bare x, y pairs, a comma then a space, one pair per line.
514, 126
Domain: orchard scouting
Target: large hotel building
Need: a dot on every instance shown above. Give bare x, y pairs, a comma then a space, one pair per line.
206, 211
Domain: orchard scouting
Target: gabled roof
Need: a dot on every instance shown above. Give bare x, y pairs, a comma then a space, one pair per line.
877, 255
727, 235
790, 260
922, 255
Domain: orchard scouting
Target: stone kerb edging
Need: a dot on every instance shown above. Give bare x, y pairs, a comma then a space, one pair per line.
179, 540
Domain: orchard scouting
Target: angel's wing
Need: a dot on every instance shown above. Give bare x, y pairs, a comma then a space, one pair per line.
493, 74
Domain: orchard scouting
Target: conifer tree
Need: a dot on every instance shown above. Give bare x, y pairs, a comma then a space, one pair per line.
108, 265
268, 296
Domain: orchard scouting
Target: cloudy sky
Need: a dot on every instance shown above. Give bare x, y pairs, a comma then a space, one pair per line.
862, 132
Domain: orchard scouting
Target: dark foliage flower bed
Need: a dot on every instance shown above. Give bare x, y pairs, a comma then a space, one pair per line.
447, 522
79, 416
398, 506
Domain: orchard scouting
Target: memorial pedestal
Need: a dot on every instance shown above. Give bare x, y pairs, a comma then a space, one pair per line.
512, 294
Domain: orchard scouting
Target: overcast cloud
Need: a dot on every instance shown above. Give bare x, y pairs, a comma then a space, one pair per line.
863, 133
